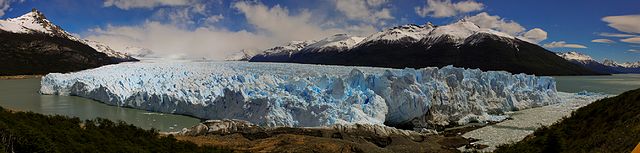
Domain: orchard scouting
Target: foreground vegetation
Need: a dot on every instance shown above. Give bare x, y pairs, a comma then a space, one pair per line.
31, 132
607, 125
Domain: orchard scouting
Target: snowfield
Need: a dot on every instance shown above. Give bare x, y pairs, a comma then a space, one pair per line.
280, 94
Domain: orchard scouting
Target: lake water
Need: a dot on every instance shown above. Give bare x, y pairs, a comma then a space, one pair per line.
613, 84
22, 95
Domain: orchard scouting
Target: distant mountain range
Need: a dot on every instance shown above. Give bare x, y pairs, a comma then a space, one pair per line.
606, 66
31, 44
461, 44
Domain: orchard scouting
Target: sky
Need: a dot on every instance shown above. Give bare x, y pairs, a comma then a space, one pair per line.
217, 28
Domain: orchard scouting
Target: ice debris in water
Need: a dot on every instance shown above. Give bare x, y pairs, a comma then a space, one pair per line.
279, 94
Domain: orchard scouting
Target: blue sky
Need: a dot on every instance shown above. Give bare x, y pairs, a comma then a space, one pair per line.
217, 27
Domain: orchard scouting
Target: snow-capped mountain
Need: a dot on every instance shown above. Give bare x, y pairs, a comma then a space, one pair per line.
36, 22
282, 53
611, 63
462, 44
631, 64
242, 55
31, 44
33, 22
338, 42
586, 61
575, 56
606, 66
103, 48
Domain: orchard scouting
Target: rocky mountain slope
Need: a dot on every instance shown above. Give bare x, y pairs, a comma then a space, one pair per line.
31, 44
461, 44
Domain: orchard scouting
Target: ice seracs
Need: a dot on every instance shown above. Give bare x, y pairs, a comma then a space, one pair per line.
36, 22
279, 94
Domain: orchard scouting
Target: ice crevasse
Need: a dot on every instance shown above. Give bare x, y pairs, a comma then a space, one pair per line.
278, 94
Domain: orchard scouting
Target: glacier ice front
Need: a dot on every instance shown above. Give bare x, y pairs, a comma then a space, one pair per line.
279, 94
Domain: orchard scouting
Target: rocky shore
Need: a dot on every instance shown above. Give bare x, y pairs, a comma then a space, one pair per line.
244, 136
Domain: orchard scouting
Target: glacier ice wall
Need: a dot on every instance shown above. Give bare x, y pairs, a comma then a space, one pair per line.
279, 94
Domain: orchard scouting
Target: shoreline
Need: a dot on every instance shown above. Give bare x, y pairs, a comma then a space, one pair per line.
14, 77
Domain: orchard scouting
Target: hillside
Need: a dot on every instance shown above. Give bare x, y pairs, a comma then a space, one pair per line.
607, 125
25, 54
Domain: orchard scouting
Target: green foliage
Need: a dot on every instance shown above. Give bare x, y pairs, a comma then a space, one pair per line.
607, 125
31, 132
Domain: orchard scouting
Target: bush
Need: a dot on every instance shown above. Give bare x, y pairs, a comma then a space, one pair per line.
607, 125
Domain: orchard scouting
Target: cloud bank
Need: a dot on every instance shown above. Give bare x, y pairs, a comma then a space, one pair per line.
132, 4
170, 37
484, 20
445, 8
563, 44
606, 41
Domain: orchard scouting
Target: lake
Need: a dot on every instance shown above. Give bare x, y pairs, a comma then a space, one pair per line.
612, 84
22, 95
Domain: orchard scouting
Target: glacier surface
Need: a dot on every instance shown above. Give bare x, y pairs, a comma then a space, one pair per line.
280, 94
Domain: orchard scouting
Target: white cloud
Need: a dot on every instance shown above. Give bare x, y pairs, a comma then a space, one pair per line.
444, 8
273, 26
367, 11
278, 23
615, 35
214, 18
4, 6
633, 51
172, 41
563, 44
534, 35
484, 20
130, 4
635, 40
624, 23
606, 41
376, 2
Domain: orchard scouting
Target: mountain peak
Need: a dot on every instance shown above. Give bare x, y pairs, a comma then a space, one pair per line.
34, 21
572, 55
34, 15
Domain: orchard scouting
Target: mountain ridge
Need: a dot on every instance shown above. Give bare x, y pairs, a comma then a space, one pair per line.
461, 44
606, 66
31, 44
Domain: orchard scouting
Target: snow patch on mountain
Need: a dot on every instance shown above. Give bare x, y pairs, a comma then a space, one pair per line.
575, 56
631, 64
100, 47
279, 94
458, 32
339, 41
410, 31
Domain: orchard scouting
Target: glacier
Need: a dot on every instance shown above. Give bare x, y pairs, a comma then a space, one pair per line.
303, 95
